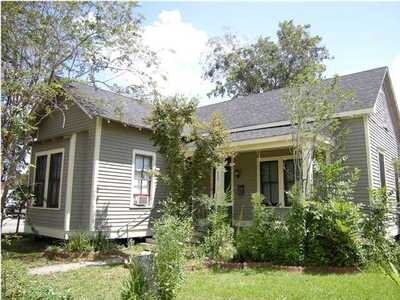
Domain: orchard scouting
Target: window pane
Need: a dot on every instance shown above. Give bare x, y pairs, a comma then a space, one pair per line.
54, 180
269, 182
40, 179
290, 176
139, 162
382, 169
147, 163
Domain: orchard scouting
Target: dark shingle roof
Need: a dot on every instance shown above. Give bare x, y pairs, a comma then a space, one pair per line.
109, 105
267, 107
252, 110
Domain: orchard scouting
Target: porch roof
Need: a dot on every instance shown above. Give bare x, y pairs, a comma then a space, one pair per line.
261, 133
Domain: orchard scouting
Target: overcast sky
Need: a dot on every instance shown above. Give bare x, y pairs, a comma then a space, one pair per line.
360, 36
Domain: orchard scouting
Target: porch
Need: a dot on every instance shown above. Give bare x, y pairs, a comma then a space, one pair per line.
267, 167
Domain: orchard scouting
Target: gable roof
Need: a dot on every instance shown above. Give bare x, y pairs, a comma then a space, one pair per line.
111, 106
267, 107
237, 114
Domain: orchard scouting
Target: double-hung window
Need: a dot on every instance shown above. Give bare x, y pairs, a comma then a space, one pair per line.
276, 178
48, 174
143, 178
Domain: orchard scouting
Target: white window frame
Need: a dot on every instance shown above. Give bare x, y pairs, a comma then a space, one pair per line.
281, 183
46, 182
153, 178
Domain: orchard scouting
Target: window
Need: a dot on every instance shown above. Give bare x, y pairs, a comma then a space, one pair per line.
143, 178
48, 179
270, 182
396, 182
276, 177
290, 177
382, 169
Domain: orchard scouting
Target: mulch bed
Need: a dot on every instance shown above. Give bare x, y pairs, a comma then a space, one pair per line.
293, 269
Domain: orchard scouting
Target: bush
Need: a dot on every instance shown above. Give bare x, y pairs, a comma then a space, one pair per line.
102, 244
266, 238
218, 242
137, 286
333, 235
171, 236
80, 242
378, 247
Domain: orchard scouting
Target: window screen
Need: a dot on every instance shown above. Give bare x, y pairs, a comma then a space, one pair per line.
40, 179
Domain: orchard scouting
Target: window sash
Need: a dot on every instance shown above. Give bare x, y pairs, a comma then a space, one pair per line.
269, 179
142, 181
40, 180
48, 178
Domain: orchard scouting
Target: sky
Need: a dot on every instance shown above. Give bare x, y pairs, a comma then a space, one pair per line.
360, 36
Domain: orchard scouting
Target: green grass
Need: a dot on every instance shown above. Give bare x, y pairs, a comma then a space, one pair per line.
105, 283
26, 248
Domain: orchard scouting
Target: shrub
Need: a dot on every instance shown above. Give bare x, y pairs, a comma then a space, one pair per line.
171, 236
333, 235
80, 242
102, 244
137, 286
266, 238
378, 247
218, 242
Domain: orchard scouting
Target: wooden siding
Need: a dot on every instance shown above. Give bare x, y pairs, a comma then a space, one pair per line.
383, 139
54, 134
113, 212
356, 150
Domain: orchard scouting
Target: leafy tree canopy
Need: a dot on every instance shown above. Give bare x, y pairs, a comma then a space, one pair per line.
240, 70
45, 44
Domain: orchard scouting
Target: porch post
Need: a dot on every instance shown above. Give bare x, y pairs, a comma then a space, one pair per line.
219, 181
307, 167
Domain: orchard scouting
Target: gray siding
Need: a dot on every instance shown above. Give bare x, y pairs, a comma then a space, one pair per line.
113, 213
356, 150
55, 132
75, 120
383, 139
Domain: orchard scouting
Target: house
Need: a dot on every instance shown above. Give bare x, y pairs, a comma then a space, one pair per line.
91, 162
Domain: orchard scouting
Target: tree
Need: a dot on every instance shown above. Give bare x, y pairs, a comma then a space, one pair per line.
46, 44
240, 70
311, 105
189, 148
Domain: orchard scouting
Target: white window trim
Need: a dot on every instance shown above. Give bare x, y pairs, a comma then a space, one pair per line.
153, 177
46, 182
281, 183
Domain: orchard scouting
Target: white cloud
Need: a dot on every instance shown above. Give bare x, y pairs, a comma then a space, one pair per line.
179, 46
394, 69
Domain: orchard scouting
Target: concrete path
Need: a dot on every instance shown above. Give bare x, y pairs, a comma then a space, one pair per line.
74, 266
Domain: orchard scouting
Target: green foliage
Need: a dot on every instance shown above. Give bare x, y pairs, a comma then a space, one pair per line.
102, 244
137, 286
175, 129
391, 271
218, 243
333, 233
379, 248
17, 285
239, 70
80, 242
334, 181
171, 236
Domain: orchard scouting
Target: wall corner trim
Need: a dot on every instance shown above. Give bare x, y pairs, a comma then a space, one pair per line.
70, 181
95, 171
368, 150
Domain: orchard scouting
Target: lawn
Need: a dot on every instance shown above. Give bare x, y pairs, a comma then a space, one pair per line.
106, 282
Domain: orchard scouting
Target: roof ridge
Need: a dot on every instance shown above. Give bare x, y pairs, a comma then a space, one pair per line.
275, 90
